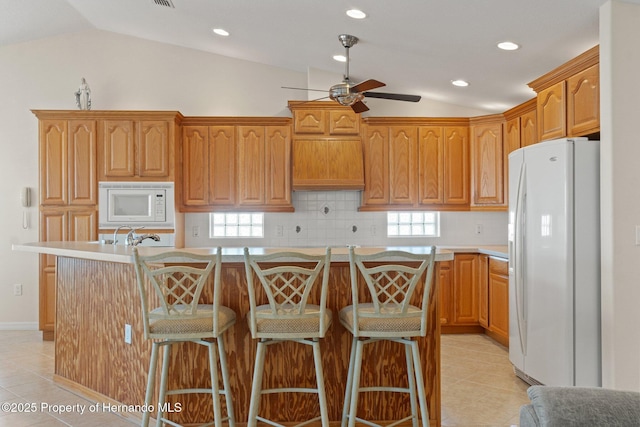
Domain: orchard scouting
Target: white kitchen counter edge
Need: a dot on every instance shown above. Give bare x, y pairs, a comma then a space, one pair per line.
123, 254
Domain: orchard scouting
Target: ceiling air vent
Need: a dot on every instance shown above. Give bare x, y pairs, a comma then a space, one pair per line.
165, 3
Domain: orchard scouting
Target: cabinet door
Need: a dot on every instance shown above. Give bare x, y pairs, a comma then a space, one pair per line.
583, 102
83, 184
465, 289
445, 284
499, 298
309, 121
528, 129
551, 112
53, 227
456, 165
153, 149
487, 165
430, 165
344, 122
53, 162
402, 161
118, 149
83, 224
195, 165
251, 165
221, 175
376, 166
483, 290
278, 165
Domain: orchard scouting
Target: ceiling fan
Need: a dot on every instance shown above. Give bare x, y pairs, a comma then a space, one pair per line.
351, 95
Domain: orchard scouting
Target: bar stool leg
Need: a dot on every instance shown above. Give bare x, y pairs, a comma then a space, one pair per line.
355, 385
150, 383
166, 352
347, 393
412, 384
424, 410
256, 388
225, 382
317, 358
215, 387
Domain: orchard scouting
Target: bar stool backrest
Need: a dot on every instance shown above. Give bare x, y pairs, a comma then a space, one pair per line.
391, 283
288, 282
178, 278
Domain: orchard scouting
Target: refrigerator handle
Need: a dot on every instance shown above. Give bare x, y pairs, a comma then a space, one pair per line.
518, 257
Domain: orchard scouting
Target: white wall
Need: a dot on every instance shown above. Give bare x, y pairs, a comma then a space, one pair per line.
123, 73
620, 175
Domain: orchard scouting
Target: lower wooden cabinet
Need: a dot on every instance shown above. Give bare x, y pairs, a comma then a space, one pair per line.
499, 300
60, 224
459, 308
474, 296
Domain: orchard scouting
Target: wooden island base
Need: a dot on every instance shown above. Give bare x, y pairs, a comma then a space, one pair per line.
96, 299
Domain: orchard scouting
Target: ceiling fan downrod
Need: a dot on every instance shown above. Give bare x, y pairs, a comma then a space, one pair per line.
347, 41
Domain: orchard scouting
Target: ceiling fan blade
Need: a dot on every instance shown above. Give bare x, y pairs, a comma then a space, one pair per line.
394, 96
303, 88
359, 107
367, 85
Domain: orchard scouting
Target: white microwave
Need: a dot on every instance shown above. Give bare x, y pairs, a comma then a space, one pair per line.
136, 204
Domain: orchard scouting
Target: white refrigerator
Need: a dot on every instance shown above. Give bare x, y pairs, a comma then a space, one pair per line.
554, 263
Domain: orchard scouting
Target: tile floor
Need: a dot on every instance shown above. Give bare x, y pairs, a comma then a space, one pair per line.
478, 385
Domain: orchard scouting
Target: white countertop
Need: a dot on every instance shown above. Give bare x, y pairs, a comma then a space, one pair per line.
118, 253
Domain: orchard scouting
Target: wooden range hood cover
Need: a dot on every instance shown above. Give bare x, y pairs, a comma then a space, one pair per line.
328, 164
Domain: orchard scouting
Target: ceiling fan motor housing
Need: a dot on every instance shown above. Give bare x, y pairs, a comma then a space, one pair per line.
343, 95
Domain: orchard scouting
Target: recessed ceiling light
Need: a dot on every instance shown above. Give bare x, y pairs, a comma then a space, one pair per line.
356, 14
508, 46
460, 83
221, 32
340, 58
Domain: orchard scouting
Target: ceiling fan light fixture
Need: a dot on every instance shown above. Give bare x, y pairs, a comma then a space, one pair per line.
221, 32
508, 45
356, 14
460, 83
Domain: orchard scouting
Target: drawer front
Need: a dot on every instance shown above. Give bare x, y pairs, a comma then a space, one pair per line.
498, 266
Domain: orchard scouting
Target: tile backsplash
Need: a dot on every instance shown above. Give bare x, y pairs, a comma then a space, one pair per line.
331, 218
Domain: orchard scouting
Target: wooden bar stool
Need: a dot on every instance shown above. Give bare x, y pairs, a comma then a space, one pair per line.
178, 278
287, 281
390, 315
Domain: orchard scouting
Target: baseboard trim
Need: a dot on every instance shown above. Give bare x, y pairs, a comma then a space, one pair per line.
19, 326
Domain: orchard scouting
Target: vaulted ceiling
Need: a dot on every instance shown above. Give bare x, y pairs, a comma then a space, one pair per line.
414, 46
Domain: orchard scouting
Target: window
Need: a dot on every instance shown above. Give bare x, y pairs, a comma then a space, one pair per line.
413, 224
236, 224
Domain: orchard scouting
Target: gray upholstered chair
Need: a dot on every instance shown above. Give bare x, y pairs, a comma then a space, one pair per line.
391, 315
580, 407
287, 278
177, 279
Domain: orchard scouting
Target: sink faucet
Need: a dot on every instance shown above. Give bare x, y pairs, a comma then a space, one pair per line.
115, 233
131, 236
137, 240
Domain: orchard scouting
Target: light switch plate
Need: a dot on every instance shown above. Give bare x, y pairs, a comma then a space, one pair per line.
637, 235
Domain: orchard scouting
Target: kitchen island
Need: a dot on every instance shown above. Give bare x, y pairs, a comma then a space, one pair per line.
97, 295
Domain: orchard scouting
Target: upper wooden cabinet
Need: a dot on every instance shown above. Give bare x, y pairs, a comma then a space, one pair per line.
323, 118
519, 130
583, 102
443, 164
487, 174
68, 162
568, 102
327, 148
232, 164
138, 148
416, 164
